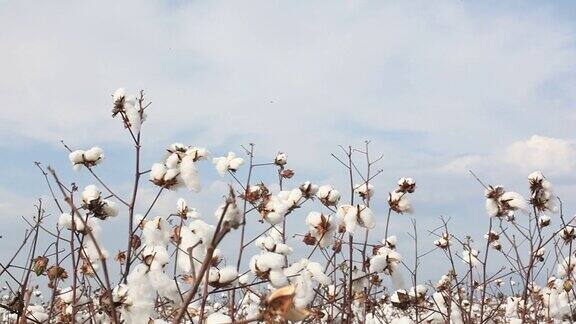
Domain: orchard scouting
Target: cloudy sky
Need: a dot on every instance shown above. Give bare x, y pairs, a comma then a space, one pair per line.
439, 87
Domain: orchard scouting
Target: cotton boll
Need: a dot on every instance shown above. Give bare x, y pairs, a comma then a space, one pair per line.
221, 165
399, 202
228, 274
94, 155
277, 278
156, 232
171, 174
308, 189
109, 207
328, 195
90, 194
76, 157
172, 161
164, 285
198, 153
227, 163
230, 213
234, 162
189, 174
364, 190
157, 172
156, 257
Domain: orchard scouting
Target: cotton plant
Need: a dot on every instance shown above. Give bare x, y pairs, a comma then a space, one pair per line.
278, 249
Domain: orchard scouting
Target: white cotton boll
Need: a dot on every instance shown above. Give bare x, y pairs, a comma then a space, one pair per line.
181, 206
119, 94
155, 256
308, 189
364, 190
277, 278
133, 114
198, 153
156, 232
164, 285
232, 215
366, 217
265, 243
171, 174
90, 194
65, 220
218, 318
234, 162
172, 161
189, 174
221, 165
94, 154
283, 249
347, 215
318, 273
227, 275
515, 200
290, 198
378, 263
491, 207
244, 279
202, 229
109, 207
269, 260
280, 159
76, 157
157, 172
399, 202
328, 195
304, 291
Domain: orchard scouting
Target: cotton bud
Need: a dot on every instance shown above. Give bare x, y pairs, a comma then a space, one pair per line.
280, 159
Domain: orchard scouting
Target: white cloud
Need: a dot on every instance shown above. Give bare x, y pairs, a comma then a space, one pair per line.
283, 75
551, 155
461, 164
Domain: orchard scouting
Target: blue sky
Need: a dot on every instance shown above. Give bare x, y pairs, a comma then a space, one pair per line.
439, 87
